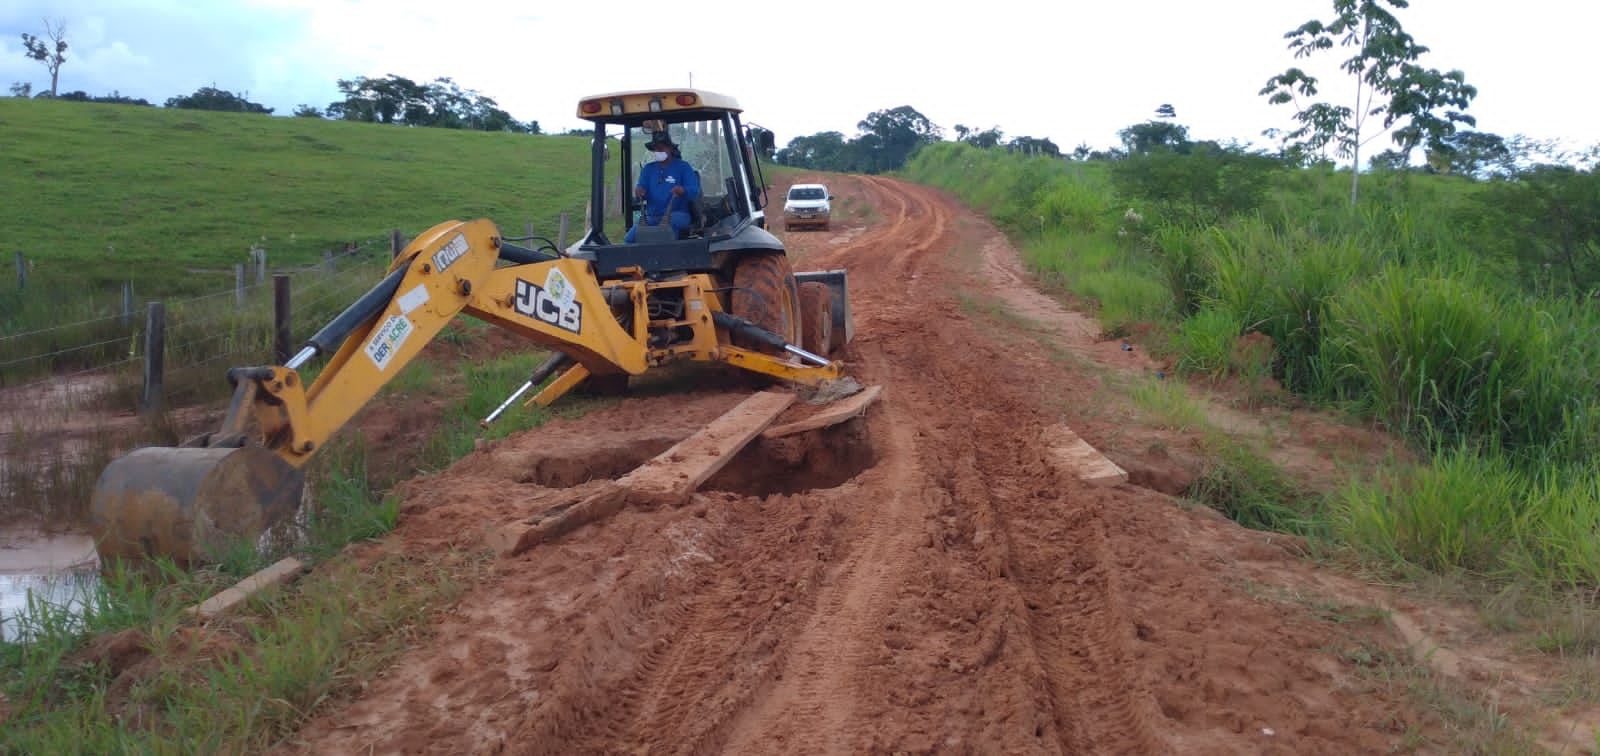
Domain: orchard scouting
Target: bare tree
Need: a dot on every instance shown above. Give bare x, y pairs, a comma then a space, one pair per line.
51, 55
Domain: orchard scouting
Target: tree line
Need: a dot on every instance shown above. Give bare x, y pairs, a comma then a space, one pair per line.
888, 138
392, 100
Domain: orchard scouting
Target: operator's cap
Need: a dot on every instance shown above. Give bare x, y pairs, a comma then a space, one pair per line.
660, 138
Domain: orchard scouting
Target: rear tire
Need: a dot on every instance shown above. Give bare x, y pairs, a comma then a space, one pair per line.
816, 318
765, 293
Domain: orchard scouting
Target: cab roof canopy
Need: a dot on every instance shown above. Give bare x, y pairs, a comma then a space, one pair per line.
625, 107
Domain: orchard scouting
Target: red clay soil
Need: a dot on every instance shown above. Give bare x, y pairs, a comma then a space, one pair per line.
918, 580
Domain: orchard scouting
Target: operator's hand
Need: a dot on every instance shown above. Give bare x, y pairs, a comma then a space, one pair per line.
677, 190
638, 191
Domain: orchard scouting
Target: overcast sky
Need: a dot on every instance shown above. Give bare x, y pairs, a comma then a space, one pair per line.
1071, 72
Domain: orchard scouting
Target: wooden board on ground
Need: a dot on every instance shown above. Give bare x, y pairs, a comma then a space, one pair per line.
1073, 454
278, 573
834, 414
669, 478
666, 480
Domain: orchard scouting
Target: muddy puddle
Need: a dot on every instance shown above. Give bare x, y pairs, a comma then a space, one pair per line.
58, 570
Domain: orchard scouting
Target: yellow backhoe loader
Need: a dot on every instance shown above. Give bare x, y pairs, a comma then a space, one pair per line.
720, 289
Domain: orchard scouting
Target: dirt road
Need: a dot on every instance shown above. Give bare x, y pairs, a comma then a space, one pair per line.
920, 580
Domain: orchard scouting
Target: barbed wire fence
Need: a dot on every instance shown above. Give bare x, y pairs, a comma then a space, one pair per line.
199, 330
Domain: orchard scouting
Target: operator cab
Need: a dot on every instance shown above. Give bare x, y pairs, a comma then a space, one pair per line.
707, 133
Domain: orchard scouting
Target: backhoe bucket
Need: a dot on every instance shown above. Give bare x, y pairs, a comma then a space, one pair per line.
187, 503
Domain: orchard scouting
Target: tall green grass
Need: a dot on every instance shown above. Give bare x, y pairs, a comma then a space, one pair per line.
1439, 357
1392, 309
1483, 513
1205, 342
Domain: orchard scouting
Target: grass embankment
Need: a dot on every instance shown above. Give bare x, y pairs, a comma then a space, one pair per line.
1394, 310
171, 200
131, 674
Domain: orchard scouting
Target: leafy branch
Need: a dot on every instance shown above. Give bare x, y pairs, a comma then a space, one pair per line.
1417, 105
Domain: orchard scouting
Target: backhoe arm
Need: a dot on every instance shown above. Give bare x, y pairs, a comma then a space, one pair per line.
449, 270
188, 502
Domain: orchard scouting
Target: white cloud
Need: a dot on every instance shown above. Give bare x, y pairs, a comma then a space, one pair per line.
1070, 72
112, 62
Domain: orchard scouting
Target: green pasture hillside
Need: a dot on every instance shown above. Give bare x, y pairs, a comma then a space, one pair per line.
96, 194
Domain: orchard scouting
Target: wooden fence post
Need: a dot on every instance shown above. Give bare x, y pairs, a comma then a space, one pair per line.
22, 271
127, 303
155, 346
527, 230
280, 318
327, 263
396, 243
561, 236
261, 264
238, 286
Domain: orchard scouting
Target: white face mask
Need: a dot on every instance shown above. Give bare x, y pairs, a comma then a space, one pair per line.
658, 156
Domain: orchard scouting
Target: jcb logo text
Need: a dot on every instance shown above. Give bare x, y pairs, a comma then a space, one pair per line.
533, 301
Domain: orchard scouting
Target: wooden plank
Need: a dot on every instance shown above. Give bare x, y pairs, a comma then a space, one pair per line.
1074, 455
835, 413
278, 573
519, 536
666, 480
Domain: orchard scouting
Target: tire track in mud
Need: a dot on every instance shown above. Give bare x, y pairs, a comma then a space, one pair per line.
813, 701
718, 641
1079, 636
723, 636
1078, 640
942, 494
914, 224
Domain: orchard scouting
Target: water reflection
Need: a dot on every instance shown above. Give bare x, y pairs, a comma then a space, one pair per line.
59, 571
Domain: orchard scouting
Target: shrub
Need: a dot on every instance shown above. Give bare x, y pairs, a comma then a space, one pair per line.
1205, 342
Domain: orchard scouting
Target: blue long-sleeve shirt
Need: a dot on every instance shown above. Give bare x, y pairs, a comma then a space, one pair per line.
658, 179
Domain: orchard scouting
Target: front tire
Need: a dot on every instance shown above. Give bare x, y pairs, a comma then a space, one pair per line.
765, 293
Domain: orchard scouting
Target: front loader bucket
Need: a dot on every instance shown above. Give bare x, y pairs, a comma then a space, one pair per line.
837, 281
187, 503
